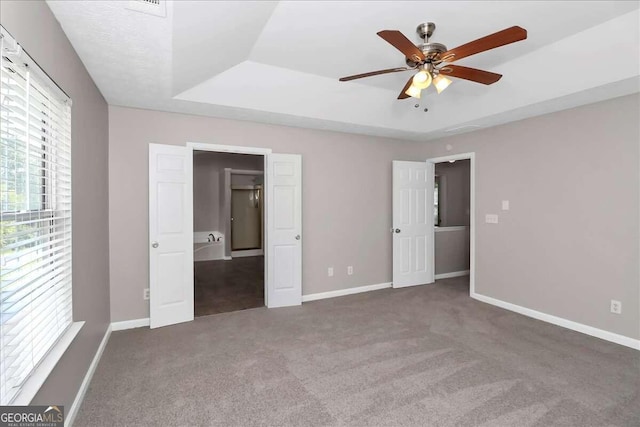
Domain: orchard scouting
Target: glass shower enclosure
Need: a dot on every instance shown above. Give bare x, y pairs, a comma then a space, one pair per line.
246, 219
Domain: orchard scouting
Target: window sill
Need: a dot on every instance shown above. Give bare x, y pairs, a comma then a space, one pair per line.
42, 371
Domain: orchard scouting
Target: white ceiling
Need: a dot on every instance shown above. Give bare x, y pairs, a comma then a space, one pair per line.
278, 62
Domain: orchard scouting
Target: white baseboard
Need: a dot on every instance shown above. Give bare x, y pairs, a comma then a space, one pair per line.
248, 252
343, 292
75, 406
452, 274
227, 258
130, 324
559, 321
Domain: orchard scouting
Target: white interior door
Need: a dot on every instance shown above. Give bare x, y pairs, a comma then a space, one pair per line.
284, 230
413, 230
170, 235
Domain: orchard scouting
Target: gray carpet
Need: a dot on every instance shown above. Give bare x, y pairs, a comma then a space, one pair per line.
423, 356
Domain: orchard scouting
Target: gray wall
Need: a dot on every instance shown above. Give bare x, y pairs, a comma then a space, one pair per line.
567, 247
454, 193
569, 243
207, 168
346, 197
36, 29
451, 250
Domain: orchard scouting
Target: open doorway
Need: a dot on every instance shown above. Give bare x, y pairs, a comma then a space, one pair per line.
228, 222
174, 240
454, 221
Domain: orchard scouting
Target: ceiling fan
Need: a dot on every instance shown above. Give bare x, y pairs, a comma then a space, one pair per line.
433, 60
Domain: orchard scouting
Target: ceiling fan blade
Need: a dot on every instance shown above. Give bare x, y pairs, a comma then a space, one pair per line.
403, 95
501, 38
473, 74
374, 73
399, 41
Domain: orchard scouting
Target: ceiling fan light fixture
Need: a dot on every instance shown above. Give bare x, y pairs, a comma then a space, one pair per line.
441, 82
414, 91
422, 79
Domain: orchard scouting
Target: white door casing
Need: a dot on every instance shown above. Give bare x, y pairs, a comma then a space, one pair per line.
170, 235
284, 230
471, 156
413, 228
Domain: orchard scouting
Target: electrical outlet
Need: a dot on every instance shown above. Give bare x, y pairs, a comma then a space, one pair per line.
330, 271
491, 218
505, 205
616, 307
145, 294
350, 270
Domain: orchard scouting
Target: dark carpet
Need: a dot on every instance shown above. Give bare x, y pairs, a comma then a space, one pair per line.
224, 286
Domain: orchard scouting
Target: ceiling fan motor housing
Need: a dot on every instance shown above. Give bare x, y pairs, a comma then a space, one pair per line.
431, 52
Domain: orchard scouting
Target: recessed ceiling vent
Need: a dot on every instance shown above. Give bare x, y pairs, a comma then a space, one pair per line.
150, 7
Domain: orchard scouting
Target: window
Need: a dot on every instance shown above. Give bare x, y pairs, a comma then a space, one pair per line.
35, 217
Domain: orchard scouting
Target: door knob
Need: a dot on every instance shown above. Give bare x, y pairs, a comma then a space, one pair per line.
297, 237
397, 230
154, 244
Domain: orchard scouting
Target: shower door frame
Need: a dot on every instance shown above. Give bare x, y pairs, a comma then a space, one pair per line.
228, 223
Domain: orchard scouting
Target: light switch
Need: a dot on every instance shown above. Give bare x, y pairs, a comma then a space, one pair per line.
491, 218
505, 205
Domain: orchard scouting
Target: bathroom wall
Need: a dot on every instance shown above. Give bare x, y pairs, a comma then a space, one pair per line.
454, 192
237, 179
451, 250
207, 174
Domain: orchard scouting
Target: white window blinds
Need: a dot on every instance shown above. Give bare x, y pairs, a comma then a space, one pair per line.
35, 226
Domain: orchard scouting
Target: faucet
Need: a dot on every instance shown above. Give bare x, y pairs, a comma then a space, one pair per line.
211, 238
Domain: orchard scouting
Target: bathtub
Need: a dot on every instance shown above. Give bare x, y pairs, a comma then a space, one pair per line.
205, 250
